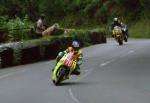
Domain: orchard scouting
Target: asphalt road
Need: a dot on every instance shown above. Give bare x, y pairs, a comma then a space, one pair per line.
110, 74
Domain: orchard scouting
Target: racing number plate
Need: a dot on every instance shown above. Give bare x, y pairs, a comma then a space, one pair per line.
68, 63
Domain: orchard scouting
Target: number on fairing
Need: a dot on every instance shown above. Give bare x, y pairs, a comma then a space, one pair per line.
68, 63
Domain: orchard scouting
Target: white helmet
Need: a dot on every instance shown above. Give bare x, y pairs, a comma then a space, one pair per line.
75, 45
115, 19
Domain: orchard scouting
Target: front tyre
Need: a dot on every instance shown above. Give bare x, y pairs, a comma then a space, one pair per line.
120, 41
60, 76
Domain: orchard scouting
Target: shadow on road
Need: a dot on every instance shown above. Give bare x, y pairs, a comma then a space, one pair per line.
78, 83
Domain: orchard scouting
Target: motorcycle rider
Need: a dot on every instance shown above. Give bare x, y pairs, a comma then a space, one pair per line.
77, 53
40, 26
118, 22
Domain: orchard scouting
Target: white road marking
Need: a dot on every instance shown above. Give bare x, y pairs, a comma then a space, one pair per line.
6, 75
83, 76
105, 63
131, 51
89, 72
10, 74
86, 70
70, 91
72, 96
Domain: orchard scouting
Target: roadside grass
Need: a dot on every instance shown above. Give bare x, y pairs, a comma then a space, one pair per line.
140, 29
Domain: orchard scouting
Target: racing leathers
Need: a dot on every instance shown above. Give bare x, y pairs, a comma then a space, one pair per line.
79, 57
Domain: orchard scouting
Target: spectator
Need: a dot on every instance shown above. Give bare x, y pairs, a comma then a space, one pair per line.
40, 26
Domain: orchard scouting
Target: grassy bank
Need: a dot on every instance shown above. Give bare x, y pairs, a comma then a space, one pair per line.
140, 29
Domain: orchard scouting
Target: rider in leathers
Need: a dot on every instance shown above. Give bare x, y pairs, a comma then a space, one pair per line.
117, 22
77, 52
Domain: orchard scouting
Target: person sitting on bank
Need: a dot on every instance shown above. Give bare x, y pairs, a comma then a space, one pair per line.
42, 30
40, 26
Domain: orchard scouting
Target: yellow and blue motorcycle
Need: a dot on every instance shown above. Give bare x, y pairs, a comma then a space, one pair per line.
63, 69
118, 35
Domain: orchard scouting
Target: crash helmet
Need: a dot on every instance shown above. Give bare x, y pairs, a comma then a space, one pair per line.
115, 19
75, 45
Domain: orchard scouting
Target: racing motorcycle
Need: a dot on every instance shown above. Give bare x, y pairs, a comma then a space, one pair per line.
124, 31
118, 35
63, 69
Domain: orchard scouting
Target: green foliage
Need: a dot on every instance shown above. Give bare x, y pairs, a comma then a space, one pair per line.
11, 8
140, 29
52, 8
3, 29
91, 7
18, 29
82, 36
68, 13
88, 37
62, 8
3, 21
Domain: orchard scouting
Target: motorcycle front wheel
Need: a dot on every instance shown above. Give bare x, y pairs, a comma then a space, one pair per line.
60, 75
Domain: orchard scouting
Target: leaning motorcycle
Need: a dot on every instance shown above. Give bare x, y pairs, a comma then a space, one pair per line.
64, 68
118, 35
124, 31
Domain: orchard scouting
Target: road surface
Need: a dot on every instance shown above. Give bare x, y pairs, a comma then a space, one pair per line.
110, 74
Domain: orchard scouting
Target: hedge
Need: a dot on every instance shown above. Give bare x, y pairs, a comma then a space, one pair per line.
46, 48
